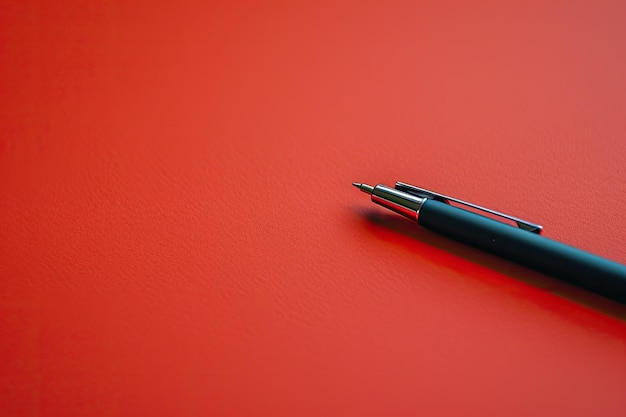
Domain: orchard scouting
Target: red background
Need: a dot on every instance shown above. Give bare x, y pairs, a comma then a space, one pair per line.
179, 235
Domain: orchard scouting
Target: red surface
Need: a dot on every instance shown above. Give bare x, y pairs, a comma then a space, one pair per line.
179, 235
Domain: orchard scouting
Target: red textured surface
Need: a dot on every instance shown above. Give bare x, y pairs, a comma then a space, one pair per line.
179, 236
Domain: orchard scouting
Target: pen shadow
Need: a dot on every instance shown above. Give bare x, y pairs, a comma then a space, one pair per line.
385, 221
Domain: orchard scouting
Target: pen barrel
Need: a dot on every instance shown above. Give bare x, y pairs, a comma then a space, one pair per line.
559, 260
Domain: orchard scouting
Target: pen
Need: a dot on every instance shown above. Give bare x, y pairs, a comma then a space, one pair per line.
521, 243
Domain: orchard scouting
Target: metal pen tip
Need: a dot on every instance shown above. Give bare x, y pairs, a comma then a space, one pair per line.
364, 187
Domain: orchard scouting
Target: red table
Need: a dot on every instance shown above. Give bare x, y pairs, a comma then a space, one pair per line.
179, 234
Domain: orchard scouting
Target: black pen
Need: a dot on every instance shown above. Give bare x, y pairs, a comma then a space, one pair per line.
521, 243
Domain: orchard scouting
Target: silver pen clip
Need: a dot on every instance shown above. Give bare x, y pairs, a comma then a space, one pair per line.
421, 192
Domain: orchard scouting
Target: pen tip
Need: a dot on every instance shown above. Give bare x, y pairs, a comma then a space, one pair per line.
364, 187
